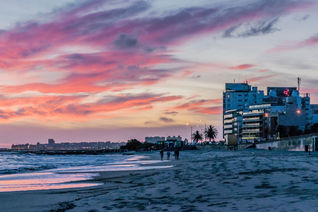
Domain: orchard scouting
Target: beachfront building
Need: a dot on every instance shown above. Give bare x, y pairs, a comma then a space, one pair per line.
154, 139
20, 146
254, 122
236, 98
283, 111
260, 122
232, 120
297, 109
169, 142
174, 141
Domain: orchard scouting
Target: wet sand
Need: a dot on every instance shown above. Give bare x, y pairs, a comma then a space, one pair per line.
200, 181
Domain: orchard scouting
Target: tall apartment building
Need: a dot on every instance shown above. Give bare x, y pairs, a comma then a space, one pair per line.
236, 98
261, 121
297, 110
250, 115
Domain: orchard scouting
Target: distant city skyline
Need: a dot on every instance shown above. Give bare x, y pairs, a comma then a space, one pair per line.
79, 70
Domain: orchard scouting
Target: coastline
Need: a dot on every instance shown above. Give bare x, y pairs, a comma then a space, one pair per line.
202, 180
61, 199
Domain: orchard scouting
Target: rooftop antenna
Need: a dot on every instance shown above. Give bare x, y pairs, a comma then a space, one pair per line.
298, 81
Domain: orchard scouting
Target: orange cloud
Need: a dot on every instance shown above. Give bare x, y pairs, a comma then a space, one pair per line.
241, 67
69, 108
201, 106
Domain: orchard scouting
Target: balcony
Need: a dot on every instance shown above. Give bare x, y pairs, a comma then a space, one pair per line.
251, 131
255, 119
228, 121
251, 124
228, 132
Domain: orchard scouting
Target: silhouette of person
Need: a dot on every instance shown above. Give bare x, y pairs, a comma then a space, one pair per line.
176, 152
161, 154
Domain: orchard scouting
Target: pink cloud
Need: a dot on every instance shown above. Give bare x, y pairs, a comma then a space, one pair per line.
261, 78
71, 108
241, 67
312, 41
204, 106
100, 72
211, 110
309, 42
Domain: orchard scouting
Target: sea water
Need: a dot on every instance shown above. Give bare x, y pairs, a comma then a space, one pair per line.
22, 172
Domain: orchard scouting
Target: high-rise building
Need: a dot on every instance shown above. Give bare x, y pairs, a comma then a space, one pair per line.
236, 98
240, 96
249, 115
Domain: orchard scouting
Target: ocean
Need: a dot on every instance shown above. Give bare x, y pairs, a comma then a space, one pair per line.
23, 172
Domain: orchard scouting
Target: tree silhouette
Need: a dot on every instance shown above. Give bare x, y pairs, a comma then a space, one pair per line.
197, 136
132, 144
211, 132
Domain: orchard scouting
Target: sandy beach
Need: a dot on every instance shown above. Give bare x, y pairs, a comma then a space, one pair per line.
200, 181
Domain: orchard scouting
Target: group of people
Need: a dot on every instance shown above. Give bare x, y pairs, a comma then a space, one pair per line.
176, 154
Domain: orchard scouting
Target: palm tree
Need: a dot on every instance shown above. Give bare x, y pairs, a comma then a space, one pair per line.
211, 132
197, 136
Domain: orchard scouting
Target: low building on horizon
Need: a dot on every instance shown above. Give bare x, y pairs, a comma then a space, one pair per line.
169, 141
154, 139
52, 145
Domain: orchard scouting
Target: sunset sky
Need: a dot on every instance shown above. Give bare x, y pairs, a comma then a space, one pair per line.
80, 70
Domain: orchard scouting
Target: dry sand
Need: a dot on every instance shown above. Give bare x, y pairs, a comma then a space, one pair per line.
200, 181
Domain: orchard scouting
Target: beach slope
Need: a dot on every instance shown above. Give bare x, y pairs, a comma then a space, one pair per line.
200, 181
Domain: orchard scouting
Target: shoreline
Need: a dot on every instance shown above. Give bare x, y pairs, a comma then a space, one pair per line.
201, 180
76, 175
59, 199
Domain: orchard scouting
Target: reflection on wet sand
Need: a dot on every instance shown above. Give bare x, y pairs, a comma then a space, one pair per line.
63, 178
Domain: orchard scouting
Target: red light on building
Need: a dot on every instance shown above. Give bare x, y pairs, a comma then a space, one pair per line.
286, 92
298, 111
266, 115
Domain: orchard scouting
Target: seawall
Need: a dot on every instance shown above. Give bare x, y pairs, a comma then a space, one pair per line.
296, 143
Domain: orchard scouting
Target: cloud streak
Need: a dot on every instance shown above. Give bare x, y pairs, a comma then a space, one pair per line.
260, 28
71, 107
203, 106
241, 67
312, 41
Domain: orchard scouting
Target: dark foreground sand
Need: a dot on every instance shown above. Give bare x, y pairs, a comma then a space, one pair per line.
200, 181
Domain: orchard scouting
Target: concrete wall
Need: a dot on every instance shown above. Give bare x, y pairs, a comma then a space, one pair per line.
296, 143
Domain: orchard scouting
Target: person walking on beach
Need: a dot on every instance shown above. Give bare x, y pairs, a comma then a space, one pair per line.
161, 154
168, 155
176, 153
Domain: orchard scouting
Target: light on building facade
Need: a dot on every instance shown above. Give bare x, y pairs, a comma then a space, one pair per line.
298, 111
